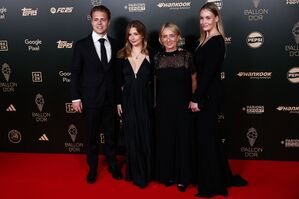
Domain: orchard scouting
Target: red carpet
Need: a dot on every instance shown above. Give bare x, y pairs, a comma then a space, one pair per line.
57, 176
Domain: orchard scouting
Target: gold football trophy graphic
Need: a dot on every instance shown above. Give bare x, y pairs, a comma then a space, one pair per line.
73, 132
6, 71
295, 32
252, 136
39, 101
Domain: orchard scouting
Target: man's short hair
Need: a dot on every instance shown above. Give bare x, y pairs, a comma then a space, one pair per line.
102, 9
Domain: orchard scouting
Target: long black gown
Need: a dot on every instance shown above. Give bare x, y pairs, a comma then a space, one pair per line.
173, 118
135, 95
214, 174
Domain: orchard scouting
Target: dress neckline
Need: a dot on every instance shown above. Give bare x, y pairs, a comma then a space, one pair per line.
170, 53
215, 36
131, 66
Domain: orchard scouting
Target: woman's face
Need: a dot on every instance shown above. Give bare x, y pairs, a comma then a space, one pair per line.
169, 39
135, 38
208, 21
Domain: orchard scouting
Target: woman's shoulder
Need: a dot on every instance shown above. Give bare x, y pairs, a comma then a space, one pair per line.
217, 39
184, 52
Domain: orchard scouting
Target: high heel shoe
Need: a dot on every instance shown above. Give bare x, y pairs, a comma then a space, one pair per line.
181, 187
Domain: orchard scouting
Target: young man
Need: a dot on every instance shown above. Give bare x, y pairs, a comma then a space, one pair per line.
92, 90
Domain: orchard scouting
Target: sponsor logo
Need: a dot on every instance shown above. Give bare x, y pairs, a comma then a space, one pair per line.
255, 39
175, 5
3, 45
254, 109
73, 146
222, 74
7, 86
96, 2
251, 151
61, 10
11, 108
256, 14
292, 2
293, 50
33, 45
2, 12
290, 109
40, 116
64, 44
218, 3
293, 75
228, 40
135, 7
290, 143
102, 138
14, 136
255, 75
26, 12
65, 76
37, 76
69, 108
43, 138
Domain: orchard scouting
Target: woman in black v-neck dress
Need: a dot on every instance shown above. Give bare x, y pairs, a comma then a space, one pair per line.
135, 104
214, 174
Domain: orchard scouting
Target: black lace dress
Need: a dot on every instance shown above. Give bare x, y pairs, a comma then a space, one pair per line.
173, 118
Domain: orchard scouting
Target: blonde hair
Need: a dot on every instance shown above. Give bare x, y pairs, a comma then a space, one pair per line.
126, 51
213, 9
173, 27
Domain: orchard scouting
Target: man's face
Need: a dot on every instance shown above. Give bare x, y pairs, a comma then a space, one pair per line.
100, 22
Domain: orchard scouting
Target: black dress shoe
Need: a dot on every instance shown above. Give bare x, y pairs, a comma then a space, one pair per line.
168, 183
181, 187
238, 181
210, 195
91, 177
116, 173
140, 183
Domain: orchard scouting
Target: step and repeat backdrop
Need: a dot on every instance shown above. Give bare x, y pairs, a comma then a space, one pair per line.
261, 70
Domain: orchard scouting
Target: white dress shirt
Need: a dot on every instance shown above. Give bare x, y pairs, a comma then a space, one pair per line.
97, 45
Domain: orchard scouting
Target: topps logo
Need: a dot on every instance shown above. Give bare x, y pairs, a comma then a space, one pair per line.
64, 44
29, 12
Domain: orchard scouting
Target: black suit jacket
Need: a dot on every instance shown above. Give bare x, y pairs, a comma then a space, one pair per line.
91, 82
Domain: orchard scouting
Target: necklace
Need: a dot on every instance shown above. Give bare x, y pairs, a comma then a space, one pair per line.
136, 56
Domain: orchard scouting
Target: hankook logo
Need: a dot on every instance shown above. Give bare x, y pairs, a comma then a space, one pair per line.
175, 5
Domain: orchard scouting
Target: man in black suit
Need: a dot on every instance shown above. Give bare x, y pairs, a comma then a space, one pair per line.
92, 90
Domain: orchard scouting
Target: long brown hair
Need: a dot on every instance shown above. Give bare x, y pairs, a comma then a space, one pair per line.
126, 51
214, 9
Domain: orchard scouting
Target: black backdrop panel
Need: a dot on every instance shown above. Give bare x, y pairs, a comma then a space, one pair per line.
261, 70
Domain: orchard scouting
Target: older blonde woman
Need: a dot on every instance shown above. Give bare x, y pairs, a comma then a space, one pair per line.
174, 74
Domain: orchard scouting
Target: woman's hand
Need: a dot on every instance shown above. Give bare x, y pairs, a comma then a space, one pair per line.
119, 110
194, 106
